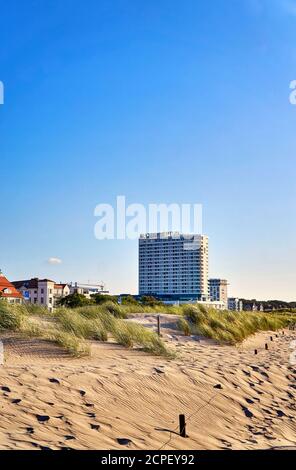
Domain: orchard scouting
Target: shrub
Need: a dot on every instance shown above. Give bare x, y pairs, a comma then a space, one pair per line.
74, 300
100, 299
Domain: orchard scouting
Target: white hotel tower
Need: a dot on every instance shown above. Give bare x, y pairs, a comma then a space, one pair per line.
173, 266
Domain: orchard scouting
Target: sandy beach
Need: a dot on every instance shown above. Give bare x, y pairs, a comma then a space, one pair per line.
127, 399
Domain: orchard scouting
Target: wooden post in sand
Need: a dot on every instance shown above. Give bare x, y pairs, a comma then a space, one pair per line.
266, 346
158, 325
182, 425
271, 338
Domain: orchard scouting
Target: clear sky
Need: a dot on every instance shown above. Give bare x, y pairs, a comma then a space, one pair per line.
161, 101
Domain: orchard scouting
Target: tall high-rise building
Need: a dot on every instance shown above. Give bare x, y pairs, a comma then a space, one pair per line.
173, 266
218, 290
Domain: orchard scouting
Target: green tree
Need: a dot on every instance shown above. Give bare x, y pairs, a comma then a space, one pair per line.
150, 301
74, 300
129, 300
103, 298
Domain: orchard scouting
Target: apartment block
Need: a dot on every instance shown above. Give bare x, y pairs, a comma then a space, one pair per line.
235, 304
173, 266
44, 292
218, 290
87, 289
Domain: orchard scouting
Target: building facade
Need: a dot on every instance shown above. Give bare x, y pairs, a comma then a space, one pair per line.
87, 289
235, 304
37, 291
60, 291
174, 266
8, 292
43, 292
218, 290
48, 293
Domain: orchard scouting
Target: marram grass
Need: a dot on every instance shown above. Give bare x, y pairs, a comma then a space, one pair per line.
72, 328
229, 327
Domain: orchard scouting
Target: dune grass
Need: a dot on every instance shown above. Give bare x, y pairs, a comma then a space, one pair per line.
10, 318
229, 327
96, 322
72, 328
69, 341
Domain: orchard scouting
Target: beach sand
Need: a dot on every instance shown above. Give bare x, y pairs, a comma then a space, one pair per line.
127, 399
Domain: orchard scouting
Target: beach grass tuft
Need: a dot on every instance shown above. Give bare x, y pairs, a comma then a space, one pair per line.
229, 327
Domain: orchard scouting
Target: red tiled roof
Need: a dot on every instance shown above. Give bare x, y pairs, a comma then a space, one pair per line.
5, 284
60, 286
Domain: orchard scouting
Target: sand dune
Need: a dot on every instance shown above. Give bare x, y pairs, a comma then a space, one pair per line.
120, 399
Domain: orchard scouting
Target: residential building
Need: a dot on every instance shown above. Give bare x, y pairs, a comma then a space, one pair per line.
60, 291
173, 266
218, 290
8, 291
37, 291
235, 304
87, 289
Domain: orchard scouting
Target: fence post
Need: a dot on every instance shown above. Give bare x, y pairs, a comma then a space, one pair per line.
158, 325
182, 425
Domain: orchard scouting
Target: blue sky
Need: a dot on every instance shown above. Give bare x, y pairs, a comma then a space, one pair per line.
160, 101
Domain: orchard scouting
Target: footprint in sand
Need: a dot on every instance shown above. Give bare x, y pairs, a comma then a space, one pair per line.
226, 443
82, 392
43, 418
247, 412
218, 387
91, 415
96, 427
5, 389
251, 402
69, 437
30, 430
247, 373
54, 381
124, 441
16, 401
